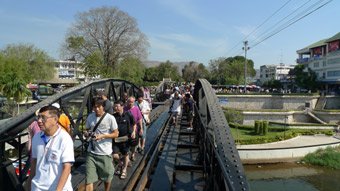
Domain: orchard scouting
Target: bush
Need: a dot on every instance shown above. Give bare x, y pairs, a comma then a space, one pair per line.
329, 157
233, 116
265, 127
257, 127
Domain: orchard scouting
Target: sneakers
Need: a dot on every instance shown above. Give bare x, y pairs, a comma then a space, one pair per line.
189, 129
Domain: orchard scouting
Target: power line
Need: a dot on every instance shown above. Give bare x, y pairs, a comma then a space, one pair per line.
293, 22
269, 29
258, 26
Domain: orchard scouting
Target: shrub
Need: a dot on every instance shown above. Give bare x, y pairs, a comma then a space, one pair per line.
265, 127
233, 116
329, 157
257, 127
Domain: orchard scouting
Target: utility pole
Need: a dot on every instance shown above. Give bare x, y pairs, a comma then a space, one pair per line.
245, 48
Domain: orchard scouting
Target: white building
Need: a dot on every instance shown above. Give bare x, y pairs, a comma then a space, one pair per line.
274, 72
323, 57
69, 69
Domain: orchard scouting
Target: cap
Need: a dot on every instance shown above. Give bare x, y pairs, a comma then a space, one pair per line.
37, 112
56, 105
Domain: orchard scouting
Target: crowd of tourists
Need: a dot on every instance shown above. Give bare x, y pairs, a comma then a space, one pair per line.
114, 134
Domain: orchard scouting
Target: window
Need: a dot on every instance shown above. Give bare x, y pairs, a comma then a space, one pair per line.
333, 73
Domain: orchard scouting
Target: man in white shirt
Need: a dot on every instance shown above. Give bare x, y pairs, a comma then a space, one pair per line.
145, 109
52, 154
99, 158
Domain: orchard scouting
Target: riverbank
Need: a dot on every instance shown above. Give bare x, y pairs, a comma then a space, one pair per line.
285, 151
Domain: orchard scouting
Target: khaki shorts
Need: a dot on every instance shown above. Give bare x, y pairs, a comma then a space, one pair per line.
101, 164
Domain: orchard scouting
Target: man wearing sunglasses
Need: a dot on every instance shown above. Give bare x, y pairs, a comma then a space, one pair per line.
52, 154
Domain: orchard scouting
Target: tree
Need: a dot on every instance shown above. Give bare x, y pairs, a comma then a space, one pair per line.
230, 70
303, 78
27, 62
151, 74
107, 33
19, 65
131, 69
194, 71
168, 70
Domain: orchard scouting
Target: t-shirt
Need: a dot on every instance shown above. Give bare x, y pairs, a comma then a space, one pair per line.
144, 107
108, 107
107, 126
176, 103
65, 122
125, 123
137, 115
51, 153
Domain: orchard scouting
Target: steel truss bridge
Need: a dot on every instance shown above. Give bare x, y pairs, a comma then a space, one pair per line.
207, 154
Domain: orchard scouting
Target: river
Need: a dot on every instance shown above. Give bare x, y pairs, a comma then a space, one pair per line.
291, 177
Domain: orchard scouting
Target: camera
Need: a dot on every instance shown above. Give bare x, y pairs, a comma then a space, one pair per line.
90, 136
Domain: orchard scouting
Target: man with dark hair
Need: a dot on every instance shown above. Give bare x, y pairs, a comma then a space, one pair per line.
188, 106
101, 129
107, 103
52, 154
126, 128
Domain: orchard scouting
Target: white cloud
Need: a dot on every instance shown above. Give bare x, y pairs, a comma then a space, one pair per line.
188, 10
162, 50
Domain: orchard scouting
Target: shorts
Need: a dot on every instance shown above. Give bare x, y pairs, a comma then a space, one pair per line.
175, 113
190, 116
144, 130
122, 148
98, 167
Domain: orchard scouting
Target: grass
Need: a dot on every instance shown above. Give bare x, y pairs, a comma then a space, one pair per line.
245, 135
329, 157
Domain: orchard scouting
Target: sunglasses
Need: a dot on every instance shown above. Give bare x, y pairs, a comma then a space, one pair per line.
43, 117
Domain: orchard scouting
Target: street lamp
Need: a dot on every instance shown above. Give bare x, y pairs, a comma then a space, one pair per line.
245, 48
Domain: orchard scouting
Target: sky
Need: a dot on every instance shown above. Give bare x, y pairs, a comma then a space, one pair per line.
184, 30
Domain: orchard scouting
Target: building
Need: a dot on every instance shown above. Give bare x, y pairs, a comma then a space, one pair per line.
323, 57
68, 73
69, 69
274, 72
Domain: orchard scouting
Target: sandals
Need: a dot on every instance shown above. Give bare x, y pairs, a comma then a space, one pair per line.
123, 175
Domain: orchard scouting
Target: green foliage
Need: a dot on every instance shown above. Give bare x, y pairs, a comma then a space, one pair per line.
27, 62
272, 84
233, 116
244, 134
131, 69
329, 157
93, 66
265, 127
305, 79
261, 128
230, 70
151, 75
257, 127
194, 71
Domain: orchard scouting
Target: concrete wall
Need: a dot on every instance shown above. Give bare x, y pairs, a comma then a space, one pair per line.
257, 102
333, 102
293, 117
255, 156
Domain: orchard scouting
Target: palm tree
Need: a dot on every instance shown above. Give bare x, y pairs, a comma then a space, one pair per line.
14, 89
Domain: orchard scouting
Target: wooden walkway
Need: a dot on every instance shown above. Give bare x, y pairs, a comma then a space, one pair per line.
177, 168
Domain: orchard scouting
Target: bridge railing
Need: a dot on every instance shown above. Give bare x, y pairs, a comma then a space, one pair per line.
75, 102
218, 153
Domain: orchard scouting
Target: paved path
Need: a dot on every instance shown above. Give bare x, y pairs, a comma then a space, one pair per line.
300, 141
